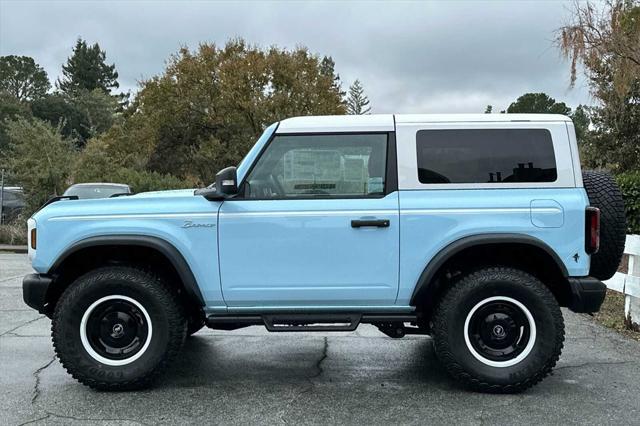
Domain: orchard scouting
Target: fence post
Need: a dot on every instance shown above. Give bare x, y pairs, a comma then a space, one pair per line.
632, 285
1, 194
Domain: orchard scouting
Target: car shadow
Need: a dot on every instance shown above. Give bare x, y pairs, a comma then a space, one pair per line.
297, 360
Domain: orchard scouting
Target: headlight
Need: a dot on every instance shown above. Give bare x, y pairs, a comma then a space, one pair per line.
32, 239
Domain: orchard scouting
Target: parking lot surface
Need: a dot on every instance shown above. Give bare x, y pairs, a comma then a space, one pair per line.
252, 377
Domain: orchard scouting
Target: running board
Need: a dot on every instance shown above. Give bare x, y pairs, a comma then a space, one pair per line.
308, 321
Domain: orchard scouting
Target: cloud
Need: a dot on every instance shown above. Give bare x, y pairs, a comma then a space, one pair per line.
410, 56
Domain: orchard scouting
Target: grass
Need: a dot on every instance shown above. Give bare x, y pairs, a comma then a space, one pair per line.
611, 315
14, 233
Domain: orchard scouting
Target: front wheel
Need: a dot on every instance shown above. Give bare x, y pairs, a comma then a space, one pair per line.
498, 330
117, 328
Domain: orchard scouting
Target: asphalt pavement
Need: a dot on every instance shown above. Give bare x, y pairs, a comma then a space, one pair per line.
249, 377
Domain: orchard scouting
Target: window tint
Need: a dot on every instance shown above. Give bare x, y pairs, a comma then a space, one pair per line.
303, 166
485, 155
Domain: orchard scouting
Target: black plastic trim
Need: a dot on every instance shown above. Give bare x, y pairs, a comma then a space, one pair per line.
457, 246
301, 321
34, 290
588, 293
59, 198
167, 249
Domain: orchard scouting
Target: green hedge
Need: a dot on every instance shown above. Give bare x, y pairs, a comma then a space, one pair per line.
630, 185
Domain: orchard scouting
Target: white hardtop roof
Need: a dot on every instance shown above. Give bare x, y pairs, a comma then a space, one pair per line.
385, 122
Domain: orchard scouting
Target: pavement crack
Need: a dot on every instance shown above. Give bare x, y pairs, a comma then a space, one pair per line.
36, 375
309, 388
22, 325
325, 350
39, 419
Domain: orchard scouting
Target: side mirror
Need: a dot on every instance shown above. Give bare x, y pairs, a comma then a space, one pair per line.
227, 182
226, 186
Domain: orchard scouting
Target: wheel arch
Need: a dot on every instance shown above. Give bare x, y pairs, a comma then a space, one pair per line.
122, 244
428, 285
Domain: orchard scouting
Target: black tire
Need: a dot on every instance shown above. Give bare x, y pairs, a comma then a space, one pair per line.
148, 338
461, 311
604, 194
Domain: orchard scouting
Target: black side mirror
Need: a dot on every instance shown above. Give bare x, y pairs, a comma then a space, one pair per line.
227, 182
226, 186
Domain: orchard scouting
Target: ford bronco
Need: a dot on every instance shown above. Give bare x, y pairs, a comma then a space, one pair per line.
473, 229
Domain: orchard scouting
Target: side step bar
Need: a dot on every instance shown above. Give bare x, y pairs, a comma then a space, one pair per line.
390, 324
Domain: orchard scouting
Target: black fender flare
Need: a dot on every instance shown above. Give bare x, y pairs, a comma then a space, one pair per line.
164, 247
429, 272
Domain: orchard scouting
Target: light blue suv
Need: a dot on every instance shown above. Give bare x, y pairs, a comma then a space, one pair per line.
474, 229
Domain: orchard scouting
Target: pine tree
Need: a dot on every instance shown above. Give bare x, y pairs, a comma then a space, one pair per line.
327, 68
86, 70
357, 101
488, 109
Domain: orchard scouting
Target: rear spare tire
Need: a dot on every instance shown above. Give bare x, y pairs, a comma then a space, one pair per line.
604, 194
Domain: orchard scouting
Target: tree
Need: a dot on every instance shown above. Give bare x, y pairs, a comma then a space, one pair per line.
209, 106
80, 115
540, 103
327, 69
605, 40
39, 159
10, 109
86, 70
22, 78
488, 109
357, 101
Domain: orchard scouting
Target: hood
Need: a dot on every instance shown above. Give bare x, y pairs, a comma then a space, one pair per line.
166, 194
157, 202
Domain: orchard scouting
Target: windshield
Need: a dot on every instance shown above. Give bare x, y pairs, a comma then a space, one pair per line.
253, 152
96, 191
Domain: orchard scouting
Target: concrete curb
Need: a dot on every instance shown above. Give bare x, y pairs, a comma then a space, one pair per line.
13, 249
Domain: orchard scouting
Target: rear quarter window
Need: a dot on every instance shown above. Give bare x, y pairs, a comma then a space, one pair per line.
485, 156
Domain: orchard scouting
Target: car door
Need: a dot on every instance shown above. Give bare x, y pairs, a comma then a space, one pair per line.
315, 225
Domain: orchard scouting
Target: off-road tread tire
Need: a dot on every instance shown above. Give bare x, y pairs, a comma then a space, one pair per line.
152, 283
603, 193
449, 302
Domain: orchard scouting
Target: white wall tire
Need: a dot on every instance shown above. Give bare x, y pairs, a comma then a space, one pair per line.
505, 359
154, 327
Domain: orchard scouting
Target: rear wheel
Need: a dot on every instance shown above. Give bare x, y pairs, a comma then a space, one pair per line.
117, 328
498, 330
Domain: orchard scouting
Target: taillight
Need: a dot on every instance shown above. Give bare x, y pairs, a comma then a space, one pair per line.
592, 230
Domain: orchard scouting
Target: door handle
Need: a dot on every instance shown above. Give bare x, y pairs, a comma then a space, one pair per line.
380, 223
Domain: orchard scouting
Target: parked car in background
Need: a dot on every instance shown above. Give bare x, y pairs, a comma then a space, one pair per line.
12, 203
96, 190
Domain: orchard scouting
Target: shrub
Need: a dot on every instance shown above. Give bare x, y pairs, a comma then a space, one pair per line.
14, 232
630, 185
39, 159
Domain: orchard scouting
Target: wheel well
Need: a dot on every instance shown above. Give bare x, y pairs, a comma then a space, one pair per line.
527, 257
89, 258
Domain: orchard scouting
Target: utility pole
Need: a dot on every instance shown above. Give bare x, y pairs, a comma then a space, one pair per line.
1, 194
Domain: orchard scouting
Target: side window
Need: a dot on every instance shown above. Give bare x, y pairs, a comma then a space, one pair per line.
485, 156
323, 166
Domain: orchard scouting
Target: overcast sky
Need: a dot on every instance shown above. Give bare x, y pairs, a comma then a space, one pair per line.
410, 56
